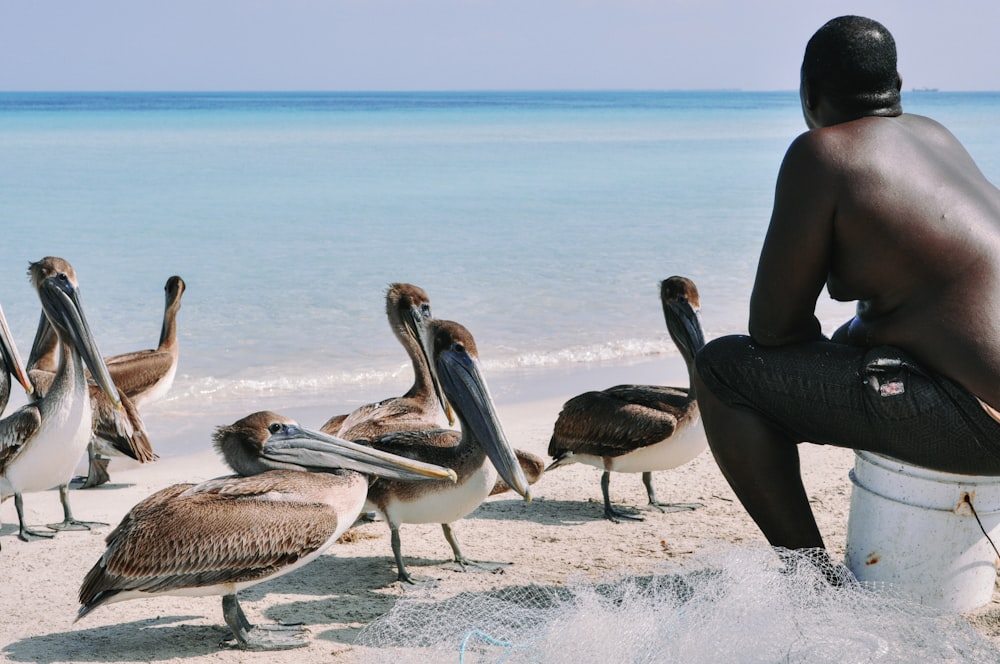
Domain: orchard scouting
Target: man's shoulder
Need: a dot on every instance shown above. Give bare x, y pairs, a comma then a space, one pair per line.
816, 148
866, 139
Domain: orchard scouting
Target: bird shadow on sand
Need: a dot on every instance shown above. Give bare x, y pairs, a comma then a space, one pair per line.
349, 590
141, 640
76, 484
544, 511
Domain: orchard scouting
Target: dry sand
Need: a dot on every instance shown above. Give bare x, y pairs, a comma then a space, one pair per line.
560, 535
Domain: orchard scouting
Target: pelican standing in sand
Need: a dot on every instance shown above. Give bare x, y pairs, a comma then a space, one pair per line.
639, 428
141, 377
147, 375
408, 309
41, 442
10, 365
117, 427
477, 454
226, 534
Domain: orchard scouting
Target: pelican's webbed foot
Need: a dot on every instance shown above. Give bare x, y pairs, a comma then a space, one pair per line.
25, 533
467, 565
404, 577
74, 524
246, 636
463, 564
616, 515
68, 522
664, 508
97, 473
407, 580
610, 513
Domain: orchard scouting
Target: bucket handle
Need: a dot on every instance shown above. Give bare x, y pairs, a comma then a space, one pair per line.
966, 498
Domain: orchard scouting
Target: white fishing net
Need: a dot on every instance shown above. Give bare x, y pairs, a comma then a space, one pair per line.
738, 605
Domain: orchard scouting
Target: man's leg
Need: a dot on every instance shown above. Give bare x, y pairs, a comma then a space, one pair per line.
761, 464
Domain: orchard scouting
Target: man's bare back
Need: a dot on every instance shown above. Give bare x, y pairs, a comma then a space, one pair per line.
914, 237
888, 210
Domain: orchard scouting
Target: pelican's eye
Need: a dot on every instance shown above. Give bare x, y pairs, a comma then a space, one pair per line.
425, 310
458, 347
274, 427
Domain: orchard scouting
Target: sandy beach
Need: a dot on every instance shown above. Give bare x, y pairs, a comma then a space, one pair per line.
560, 536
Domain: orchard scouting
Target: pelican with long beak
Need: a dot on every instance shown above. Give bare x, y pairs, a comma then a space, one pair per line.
229, 533
10, 365
408, 309
141, 377
477, 454
117, 428
41, 442
639, 428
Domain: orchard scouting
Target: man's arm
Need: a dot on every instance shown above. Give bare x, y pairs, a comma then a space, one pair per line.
795, 260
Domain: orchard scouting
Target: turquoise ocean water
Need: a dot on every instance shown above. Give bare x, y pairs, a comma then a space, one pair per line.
541, 221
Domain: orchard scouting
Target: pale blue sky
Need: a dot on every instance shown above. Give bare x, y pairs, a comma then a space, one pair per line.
469, 44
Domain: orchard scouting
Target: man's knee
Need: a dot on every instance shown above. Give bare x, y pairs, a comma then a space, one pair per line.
718, 358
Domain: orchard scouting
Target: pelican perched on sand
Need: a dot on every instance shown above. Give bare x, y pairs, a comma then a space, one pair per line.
10, 364
141, 377
146, 376
477, 454
638, 428
226, 534
41, 442
117, 428
408, 309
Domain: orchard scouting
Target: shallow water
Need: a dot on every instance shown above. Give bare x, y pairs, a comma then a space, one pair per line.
541, 221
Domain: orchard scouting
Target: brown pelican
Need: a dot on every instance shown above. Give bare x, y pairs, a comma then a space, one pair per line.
638, 428
477, 454
41, 442
408, 309
10, 364
117, 428
531, 464
142, 377
147, 375
229, 533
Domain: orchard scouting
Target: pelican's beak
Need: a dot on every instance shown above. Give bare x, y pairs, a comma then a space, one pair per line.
466, 388
416, 323
61, 301
318, 451
10, 356
684, 325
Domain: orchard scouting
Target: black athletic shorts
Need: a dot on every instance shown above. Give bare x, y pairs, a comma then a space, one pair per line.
875, 399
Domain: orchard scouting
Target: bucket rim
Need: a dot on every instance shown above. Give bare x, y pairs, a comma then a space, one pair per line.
894, 465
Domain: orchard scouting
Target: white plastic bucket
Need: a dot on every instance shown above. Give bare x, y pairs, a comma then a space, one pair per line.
911, 530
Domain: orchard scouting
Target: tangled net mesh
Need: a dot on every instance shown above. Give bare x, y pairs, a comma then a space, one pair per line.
740, 605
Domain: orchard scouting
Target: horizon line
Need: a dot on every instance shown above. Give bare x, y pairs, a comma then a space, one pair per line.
429, 91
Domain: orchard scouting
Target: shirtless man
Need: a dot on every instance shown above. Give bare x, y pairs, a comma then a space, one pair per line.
887, 209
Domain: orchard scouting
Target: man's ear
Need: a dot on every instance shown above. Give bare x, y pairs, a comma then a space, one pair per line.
899, 82
810, 95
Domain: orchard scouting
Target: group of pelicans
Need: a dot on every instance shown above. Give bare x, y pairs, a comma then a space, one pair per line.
295, 491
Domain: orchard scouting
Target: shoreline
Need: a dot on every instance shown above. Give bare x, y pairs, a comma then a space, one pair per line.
560, 537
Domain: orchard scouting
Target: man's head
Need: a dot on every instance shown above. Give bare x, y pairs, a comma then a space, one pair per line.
851, 63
